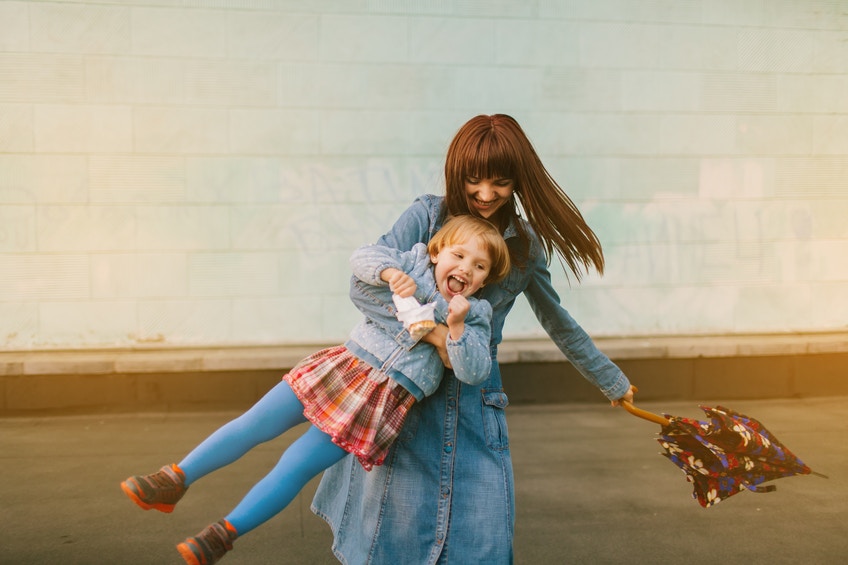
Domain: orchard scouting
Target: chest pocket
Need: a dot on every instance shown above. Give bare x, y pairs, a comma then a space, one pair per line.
494, 419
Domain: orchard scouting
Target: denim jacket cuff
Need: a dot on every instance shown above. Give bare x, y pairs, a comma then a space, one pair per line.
618, 389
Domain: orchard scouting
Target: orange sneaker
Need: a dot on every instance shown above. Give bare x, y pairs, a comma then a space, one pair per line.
210, 545
159, 491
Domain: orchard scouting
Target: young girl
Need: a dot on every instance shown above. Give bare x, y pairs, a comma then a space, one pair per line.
451, 495
357, 395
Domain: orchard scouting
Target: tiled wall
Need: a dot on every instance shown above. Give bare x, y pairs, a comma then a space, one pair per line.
183, 172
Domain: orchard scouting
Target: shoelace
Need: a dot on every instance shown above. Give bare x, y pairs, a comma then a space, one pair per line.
217, 540
165, 479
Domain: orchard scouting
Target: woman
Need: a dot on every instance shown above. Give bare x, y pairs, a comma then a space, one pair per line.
445, 493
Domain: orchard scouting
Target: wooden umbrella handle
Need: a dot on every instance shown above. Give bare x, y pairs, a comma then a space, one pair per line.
650, 416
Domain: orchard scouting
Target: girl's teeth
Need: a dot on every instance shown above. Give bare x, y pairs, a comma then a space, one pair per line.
455, 285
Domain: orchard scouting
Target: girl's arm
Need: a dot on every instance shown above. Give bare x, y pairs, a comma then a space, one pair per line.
567, 334
470, 355
370, 261
458, 310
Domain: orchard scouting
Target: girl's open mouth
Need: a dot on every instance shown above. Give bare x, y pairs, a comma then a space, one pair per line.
456, 285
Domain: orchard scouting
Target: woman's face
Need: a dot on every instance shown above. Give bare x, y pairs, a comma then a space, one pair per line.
486, 196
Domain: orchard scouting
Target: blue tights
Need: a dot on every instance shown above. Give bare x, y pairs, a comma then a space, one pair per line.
276, 412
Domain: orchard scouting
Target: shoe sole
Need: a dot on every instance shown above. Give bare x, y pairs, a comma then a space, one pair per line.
187, 554
127, 487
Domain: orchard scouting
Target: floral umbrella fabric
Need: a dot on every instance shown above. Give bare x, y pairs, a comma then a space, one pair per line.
726, 454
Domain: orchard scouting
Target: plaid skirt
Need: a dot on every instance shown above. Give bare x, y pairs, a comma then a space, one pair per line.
359, 407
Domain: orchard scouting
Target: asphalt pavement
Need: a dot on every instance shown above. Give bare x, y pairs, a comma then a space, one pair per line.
591, 488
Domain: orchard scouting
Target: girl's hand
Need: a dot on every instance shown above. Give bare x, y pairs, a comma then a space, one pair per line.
438, 338
399, 282
628, 396
458, 309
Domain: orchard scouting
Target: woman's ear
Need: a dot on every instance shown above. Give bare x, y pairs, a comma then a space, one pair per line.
434, 258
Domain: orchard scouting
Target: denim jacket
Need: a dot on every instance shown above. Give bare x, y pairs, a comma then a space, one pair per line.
445, 493
381, 340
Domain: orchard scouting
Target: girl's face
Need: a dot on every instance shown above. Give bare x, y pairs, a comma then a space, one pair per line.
486, 196
461, 268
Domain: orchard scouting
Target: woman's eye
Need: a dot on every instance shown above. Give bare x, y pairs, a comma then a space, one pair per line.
472, 180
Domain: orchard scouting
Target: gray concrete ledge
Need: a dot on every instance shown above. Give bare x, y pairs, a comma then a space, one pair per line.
749, 366
280, 357
683, 347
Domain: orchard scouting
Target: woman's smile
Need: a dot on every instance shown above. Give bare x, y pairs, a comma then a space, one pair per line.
486, 196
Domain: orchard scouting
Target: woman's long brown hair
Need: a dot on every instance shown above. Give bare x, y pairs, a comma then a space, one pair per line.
496, 147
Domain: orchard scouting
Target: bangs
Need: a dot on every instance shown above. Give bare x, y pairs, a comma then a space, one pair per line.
491, 158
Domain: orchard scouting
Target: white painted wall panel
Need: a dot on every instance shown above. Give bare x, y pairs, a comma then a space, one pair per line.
43, 178
14, 26
190, 173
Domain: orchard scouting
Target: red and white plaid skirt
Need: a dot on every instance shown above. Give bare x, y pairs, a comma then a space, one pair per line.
359, 407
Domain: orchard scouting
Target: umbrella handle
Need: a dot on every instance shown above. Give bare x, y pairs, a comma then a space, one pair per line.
650, 416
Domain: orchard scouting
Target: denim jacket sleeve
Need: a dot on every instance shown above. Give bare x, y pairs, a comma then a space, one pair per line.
567, 334
369, 261
416, 224
470, 355
370, 294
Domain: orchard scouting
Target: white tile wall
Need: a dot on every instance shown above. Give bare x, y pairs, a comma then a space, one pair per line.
185, 321
79, 28
44, 277
198, 173
94, 321
31, 77
226, 274
263, 36
179, 33
182, 228
82, 129
180, 130
372, 39
275, 132
17, 229
43, 178
85, 228
19, 323
14, 24
129, 276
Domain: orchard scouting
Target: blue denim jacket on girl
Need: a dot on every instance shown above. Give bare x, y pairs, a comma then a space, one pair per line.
381, 340
445, 493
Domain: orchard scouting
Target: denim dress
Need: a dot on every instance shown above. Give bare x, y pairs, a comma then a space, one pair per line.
445, 492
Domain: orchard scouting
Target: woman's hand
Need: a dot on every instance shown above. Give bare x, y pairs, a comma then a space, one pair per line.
399, 282
627, 397
438, 338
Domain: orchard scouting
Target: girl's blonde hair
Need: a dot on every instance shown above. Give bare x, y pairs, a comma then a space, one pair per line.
496, 147
459, 229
